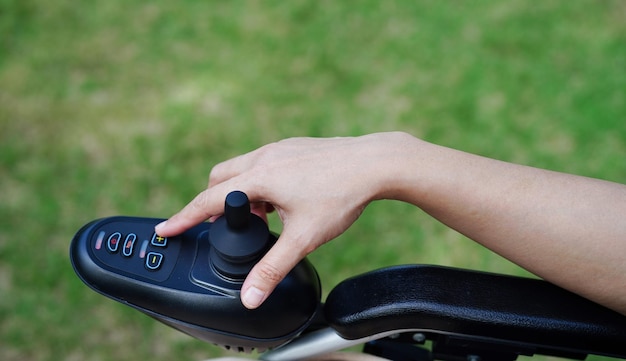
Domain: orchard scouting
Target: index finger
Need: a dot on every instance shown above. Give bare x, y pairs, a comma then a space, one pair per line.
209, 202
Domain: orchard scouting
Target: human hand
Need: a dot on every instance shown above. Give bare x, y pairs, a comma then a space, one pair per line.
318, 187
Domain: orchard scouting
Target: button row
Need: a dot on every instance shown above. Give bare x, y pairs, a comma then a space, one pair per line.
153, 259
113, 243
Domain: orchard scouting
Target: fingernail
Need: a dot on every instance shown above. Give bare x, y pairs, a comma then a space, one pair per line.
253, 297
158, 227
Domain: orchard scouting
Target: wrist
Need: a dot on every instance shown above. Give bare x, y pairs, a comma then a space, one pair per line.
397, 160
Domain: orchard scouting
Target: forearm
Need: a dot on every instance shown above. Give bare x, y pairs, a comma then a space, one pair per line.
567, 229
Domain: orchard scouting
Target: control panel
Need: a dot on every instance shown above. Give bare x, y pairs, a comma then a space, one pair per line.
136, 248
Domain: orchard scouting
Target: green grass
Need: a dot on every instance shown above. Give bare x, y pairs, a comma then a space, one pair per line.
122, 107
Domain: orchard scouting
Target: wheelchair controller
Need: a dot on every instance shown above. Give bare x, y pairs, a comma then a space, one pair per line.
192, 282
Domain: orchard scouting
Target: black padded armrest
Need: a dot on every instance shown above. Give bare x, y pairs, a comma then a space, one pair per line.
474, 304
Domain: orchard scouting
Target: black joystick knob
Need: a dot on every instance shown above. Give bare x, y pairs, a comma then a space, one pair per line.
237, 210
238, 239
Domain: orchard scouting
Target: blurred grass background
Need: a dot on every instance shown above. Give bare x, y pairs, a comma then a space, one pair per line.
123, 107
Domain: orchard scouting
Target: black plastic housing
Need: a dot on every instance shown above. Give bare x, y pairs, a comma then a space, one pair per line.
183, 290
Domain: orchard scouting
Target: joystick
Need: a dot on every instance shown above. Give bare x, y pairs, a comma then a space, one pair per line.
238, 239
193, 281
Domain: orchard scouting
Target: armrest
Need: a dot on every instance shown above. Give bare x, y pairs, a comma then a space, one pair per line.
478, 305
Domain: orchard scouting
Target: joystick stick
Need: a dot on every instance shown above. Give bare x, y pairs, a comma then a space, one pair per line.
192, 281
238, 239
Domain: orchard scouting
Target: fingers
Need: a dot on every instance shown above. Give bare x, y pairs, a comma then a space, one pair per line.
230, 168
205, 205
261, 209
209, 203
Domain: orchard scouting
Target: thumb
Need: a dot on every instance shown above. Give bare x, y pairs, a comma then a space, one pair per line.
270, 271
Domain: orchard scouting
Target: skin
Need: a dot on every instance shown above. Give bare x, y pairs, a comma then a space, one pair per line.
567, 229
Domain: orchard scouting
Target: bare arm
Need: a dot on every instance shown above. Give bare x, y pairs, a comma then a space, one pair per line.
567, 229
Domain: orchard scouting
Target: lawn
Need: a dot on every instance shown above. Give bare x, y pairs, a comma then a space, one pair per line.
123, 107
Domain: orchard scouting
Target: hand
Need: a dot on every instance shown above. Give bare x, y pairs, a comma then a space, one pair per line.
318, 187
541, 220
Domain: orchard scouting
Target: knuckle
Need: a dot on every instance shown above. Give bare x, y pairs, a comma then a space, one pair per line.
215, 175
267, 154
269, 273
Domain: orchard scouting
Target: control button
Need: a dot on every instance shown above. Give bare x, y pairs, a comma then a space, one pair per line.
113, 242
154, 260
159, 241
129, 245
